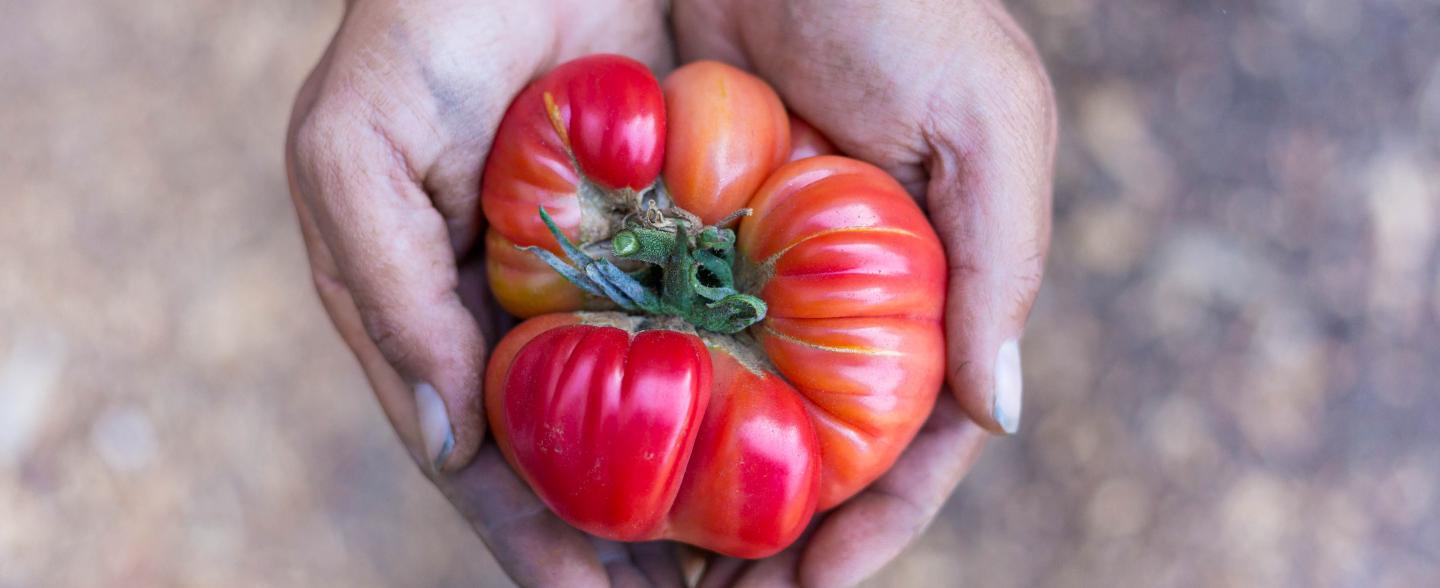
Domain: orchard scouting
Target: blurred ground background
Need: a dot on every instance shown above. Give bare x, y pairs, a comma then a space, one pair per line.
1232, 371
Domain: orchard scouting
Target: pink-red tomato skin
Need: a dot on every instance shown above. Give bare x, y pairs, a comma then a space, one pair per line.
754, 475
602, 113
633, 432
601, 422
616, 116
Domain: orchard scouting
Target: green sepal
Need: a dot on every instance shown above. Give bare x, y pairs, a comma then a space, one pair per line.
731, 314
644, 244
696, 281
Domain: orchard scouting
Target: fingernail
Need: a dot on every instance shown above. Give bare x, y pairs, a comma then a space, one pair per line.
434, 425
1009, 387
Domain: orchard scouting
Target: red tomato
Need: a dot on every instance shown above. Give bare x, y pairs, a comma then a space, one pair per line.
621, 424
742, 131
854, 277
602, 421
625, 433
604, 113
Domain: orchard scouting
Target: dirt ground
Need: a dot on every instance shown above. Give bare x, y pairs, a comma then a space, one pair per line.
1231, 373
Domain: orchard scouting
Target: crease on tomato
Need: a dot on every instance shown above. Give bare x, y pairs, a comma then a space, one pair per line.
817, 409
769, 330
773, 259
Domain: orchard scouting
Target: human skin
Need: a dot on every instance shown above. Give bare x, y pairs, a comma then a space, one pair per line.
385, 148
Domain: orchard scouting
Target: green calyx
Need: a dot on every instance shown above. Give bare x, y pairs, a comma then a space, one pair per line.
686, 275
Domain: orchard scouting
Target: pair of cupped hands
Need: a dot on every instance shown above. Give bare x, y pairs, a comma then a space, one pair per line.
389, 136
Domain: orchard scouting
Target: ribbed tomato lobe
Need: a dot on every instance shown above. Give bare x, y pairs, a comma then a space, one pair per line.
754, 478
595, 122
614, 115
602, 422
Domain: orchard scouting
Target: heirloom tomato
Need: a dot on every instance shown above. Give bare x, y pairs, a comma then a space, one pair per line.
678, 378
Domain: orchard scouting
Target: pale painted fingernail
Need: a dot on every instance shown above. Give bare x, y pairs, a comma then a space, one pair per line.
1009, 387
434, 425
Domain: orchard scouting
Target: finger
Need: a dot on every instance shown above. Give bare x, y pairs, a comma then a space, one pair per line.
990, 164
616, 559
857, 539
650, 563
693, 563
776, 570
395, 398
392, 252
722, 571
659, 561
989, 196
780, 569
534, 546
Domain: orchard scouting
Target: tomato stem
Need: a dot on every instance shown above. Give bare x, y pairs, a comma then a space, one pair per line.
696, 278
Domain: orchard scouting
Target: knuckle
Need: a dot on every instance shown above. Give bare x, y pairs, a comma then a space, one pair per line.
1029, 98
1032, 81
1008, 102
1031, 92
319, 136
344, 109
1015, 53
342, 129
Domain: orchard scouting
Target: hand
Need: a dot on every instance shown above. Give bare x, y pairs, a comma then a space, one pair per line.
950, 98
383, 156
